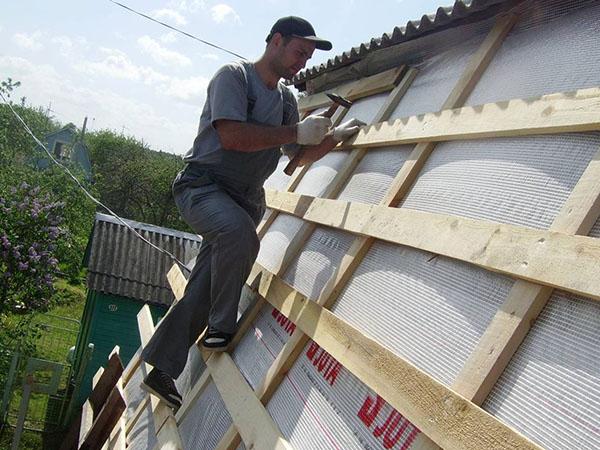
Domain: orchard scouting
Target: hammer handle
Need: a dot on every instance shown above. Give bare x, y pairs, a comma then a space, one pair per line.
295, 161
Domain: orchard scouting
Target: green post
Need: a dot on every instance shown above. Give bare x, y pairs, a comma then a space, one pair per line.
8, 386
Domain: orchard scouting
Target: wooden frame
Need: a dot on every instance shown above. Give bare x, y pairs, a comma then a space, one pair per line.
398, 188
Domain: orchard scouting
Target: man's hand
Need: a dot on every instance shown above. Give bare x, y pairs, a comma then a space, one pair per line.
312, 130
347, 129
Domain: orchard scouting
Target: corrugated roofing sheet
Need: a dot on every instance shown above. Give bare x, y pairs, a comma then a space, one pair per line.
461, 11
120, 263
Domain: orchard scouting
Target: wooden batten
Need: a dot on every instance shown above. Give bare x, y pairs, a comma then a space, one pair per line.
508, 249
253, 422
354, 90
556, 113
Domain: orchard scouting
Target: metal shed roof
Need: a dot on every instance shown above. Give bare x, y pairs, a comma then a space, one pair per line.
120, 263
461, 12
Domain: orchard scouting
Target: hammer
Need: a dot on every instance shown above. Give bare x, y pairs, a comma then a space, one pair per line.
338, 100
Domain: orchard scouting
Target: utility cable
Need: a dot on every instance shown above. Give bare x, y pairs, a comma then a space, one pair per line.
177, 29
94, 199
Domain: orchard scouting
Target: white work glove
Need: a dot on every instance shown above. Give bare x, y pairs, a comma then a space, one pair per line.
347, 129
312, 130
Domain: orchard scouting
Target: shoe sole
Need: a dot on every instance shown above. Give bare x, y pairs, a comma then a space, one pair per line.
168, 402
216, 349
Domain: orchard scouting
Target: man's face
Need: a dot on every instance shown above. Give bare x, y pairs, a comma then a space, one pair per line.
291, 57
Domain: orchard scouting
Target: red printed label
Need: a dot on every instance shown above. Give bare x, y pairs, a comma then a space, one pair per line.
326, 364
285, 323
393, 428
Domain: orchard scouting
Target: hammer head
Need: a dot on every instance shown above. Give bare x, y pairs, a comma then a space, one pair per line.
340, 100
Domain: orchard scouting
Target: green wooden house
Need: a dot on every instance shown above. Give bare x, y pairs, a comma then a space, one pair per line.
124, 274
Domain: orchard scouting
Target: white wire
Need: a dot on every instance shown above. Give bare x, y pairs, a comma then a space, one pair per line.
94, 199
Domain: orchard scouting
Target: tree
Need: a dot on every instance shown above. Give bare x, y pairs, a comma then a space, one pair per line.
30, 224
134, 181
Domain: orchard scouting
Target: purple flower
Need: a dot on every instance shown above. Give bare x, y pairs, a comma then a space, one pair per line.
16, 253
53, 262
5, 242
24, 185
23, 266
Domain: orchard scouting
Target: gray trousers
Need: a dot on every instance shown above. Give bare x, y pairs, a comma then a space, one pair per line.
227, 224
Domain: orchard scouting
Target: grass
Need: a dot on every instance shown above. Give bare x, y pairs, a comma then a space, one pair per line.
59, 328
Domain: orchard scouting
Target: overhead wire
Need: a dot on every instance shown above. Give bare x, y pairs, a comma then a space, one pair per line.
82, 187
178, 30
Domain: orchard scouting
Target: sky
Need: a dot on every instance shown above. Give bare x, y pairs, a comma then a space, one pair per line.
91, 58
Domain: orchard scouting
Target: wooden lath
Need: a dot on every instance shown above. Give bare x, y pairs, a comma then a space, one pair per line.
249, 417
354, 90
566, 112
102, 411
508, 249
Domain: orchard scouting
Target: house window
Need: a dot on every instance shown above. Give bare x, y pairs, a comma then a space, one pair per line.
58, 149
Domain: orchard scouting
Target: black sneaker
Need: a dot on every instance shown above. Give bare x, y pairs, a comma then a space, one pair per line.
216, 341
160, 384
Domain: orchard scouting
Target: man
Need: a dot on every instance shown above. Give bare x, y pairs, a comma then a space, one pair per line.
249, 116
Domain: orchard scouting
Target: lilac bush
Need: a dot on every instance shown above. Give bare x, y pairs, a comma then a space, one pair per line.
30, 228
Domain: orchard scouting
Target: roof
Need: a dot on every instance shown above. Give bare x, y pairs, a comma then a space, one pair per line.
120, 263
462, 11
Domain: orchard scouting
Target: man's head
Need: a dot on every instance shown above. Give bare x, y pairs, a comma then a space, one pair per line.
291, 43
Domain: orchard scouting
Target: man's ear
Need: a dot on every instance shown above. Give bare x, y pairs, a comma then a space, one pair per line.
277, 39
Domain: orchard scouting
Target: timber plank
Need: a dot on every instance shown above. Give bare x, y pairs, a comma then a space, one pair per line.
508, 249
354, 90
566, 112
106, 382
107, 418
255, 425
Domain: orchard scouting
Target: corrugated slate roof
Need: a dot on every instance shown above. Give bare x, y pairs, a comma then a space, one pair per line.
120, 263
441, 19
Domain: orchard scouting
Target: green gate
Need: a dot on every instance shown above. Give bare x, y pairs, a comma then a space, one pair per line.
37, 388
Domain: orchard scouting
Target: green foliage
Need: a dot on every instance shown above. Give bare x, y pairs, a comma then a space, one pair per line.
30, 224
16, 145
77, 211
134, 181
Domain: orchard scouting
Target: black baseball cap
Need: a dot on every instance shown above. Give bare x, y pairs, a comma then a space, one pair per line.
300, 28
